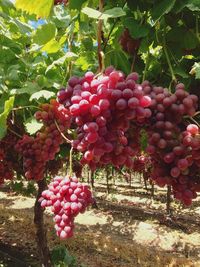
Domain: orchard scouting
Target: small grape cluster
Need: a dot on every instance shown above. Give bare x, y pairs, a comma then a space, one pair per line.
37, 151
67, 198
129, 44
141, 163
102, 108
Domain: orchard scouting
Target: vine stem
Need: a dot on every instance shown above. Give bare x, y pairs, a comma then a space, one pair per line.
168, 59
99, 32
25, 107
10, 130
62, 134
146, 66
41, 231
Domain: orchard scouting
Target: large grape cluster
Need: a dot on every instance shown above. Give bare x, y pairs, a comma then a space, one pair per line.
109, 111
102, 108
37, 151
67, 198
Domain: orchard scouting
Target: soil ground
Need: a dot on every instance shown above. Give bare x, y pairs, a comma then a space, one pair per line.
127, 230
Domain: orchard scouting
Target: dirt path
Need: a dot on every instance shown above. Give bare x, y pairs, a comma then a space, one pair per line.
103, 237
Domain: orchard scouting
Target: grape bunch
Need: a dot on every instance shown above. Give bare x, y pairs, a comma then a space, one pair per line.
188, 182
67, 198
8, 156
129, 44
170, 157
38, 150
102, 108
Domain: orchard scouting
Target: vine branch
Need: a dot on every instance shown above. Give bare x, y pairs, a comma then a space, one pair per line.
99, 32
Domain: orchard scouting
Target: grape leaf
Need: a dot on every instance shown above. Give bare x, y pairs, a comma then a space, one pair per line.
41, 8
135, 28
51, 47
42, 94
92, 13
44, 34
3, 116
193, 5
110, 13
29, 88
115, 12
32, 126
76, 4
61, 60
164, 7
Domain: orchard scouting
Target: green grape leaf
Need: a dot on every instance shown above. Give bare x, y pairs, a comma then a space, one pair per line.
44, 34
115, 12
61, 60
51, 47
193, 5
92, 13
32, 126
42, 94
179, 5
164, 7
76, 4
190, 40
135, 28
29, 88
41, 8
3, 116
110, 13
181, 72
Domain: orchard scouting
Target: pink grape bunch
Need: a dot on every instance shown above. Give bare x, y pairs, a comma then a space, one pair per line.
188, 182
170, 158
102, 108
38, 150
8, 157
67, 198
142, 163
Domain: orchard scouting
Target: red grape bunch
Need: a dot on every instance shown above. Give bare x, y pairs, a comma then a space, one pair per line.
67, 198
169, 156
102, 108
8, 156
37, 151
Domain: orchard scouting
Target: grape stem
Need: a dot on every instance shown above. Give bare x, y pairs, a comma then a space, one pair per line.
70, 162
192, 119
62, 134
